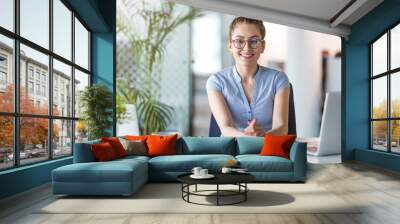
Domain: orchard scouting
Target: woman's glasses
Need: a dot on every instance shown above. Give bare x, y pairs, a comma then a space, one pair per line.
252, 42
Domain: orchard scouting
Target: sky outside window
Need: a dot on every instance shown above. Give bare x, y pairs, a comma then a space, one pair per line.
7, 14
81, 45
35, 21
62, 29
395, 47
379, 56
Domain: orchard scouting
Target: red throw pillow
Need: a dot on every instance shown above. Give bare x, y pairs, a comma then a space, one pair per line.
277, 145
161, 145
116, 145
103, 151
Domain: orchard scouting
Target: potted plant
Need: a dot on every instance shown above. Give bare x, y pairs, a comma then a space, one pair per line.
96, 102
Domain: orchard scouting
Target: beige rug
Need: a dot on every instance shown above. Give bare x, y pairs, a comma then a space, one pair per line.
166, 198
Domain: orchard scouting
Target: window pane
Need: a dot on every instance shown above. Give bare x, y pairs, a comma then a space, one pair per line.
62, 29
6, 142
81, 45
33, 139
62, 89
379, 135
34, 72
62, 138
395, 94
6, 74
81, 81
379, 100
7, 14
35, 21
81, 131
395, 136
395, 47
379, 55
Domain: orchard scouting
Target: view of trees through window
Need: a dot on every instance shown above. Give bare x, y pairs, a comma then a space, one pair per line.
385, 92
40, 83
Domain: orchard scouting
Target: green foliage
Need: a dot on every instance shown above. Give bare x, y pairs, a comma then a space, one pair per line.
148, 49
121, 109
97, 102
155, 115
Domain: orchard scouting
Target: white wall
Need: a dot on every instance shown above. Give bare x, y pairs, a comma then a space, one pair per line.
276, 39
304, 69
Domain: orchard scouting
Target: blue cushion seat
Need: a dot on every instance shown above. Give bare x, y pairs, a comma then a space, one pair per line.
185, 163
167, 168
118, 177
257, 163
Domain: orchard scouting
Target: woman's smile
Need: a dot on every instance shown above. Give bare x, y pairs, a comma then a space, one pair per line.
246, 56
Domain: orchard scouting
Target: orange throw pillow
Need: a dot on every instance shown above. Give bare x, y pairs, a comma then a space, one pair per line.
116, 145
275, 145
135, 138
161, 145
103, 152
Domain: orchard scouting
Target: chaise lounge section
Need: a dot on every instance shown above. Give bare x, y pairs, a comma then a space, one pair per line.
125, 176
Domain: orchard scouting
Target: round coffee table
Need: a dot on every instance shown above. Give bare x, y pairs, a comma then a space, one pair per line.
238, 179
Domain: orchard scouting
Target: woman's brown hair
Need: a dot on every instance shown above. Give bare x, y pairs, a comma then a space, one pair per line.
238, 20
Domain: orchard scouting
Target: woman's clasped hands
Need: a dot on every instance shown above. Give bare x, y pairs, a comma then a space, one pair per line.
253, 129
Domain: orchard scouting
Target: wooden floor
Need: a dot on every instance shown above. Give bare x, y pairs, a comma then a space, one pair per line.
377, 188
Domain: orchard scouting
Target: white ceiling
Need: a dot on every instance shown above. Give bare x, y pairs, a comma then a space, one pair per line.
315, 15
321, 9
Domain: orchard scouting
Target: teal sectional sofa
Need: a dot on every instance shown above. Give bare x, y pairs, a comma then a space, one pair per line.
125, 176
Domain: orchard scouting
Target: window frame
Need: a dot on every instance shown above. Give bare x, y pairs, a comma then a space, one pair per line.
388, 74
16, 114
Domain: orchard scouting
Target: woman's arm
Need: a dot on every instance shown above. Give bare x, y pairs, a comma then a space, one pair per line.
222, 115
280, 115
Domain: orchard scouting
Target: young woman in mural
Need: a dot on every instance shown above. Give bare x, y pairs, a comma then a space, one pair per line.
248, 99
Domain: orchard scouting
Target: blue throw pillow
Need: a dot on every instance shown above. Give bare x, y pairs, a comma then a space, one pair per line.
207, 145
249, 145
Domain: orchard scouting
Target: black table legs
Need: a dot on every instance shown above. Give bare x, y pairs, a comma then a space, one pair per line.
220, 193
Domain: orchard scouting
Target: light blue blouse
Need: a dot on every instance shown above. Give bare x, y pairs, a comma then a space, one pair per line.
267, 83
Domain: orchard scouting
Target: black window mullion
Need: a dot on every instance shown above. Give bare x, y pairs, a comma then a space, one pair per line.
16, 84
371, 87
73, 82
50, 81
89, 53
389, 113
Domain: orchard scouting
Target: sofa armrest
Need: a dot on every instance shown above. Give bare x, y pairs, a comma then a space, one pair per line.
83, 152
298, 155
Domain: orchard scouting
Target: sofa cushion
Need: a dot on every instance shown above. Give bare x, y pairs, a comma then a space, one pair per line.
112, 171
103, 151
207, 145
135, 137
275, 145
83, 152
134, 147
257, 163
132, 158
249, 145
161, 145
116, 145
185, 163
